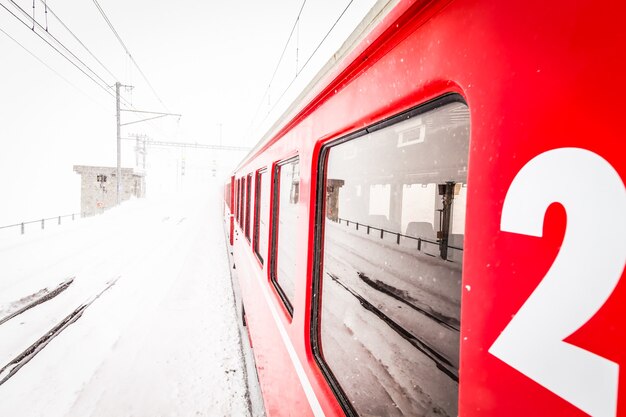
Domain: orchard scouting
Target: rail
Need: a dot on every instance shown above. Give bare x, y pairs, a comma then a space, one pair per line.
398, 235
42, 221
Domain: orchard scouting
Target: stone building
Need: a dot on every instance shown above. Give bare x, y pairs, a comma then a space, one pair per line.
99, 184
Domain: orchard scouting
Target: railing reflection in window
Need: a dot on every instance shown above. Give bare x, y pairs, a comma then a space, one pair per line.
392, 254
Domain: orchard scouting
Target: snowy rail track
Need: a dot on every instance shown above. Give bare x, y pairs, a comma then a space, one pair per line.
11, 368
163, 341
33, 300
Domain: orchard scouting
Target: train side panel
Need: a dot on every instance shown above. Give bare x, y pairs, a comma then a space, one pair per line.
542, 85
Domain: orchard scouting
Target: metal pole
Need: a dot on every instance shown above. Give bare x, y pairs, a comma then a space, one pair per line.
144, 150
119, 142
137, 151
447, 196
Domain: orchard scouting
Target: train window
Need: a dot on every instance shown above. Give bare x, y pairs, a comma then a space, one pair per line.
261, 212
237, 201
234, 210
249, 201
238, 192
242, 183
390, 231
285, 221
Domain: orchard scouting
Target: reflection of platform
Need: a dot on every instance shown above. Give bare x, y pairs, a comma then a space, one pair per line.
374, 290
99, 184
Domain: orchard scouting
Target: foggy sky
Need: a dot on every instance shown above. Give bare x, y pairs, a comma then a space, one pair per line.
209, 60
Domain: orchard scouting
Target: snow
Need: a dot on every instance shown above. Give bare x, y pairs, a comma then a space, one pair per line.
162, 341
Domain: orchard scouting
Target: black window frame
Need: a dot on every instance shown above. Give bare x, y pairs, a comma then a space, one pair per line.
318, 245
275, 209
238, 205
242, 200
257, 213
237, 202
233, 211
247, 213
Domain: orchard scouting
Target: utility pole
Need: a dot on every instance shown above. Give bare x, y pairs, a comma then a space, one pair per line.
140, 149
158, 115
119, 143
143, 154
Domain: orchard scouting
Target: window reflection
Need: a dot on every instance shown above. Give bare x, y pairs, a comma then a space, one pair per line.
261, 217
392, 256
249, 202
286, 221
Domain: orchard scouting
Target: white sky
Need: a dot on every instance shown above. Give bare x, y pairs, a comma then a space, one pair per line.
209, 60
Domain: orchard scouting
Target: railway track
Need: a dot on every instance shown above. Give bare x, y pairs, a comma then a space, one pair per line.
35, 299
14, 365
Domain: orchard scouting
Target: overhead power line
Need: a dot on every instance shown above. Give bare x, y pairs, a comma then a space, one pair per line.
99, 81
49, 9
47, 32
325, 36
295, 24
128, 52
102, 83
37, 58
60, 47
307, 61
50, 68
269, 85
58, 42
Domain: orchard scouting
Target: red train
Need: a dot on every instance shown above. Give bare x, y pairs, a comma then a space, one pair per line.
437, 225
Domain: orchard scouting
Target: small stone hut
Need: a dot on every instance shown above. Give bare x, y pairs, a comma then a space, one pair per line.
98, 189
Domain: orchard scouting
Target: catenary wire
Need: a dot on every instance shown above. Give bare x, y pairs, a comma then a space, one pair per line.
109, 88
128, 52
306, 62
325, 36
37, 58
282, 55
51, 69
37, 25
267, 90
77, 39
104, 87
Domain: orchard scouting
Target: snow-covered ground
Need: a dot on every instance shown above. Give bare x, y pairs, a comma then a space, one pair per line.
160, 339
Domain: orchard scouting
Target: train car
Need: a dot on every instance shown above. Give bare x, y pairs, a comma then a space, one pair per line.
436, 226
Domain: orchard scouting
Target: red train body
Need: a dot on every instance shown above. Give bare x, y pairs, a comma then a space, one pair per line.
504, 117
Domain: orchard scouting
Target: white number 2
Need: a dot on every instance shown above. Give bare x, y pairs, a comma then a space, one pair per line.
581, 279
